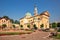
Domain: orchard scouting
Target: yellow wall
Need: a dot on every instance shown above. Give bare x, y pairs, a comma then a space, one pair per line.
43, 20
7, 22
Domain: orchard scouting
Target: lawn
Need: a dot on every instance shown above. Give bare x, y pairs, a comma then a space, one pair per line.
15, 33
57, 37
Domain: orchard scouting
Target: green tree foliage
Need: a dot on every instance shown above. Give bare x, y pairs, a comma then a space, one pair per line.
9, 18
17, 22
4, 25
14, 26
42, 25
58, 24
6, 17
12, 20
34, 26
54, 25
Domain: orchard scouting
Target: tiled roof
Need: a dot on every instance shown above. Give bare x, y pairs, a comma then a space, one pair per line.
4, 18
43, 13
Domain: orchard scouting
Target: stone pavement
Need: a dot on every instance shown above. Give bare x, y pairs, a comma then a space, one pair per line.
38, 35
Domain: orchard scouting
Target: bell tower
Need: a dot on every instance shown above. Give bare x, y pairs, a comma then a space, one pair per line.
35, 10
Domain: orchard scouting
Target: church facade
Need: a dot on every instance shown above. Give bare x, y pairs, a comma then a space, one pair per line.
38, 20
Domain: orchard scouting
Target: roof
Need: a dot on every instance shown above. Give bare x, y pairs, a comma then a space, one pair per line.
4, 18
28, 15
46, 13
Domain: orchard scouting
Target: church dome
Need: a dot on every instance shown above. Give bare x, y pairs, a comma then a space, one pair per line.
28, 14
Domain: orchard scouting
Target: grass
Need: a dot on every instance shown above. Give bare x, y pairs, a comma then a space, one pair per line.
9, 33
57, 37
15, 33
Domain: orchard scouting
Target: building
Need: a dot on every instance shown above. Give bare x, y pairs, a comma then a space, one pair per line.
6, 22
28, 21
17, 26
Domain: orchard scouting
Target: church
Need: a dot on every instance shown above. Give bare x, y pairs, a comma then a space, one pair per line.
37, 20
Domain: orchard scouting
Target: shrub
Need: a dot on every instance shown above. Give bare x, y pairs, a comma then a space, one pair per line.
35, 26
58, 36
28, 26
58, 30
4, 26
54, 25
42, 25
14, 26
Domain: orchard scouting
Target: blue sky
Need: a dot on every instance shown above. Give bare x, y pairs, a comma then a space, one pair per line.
16, 9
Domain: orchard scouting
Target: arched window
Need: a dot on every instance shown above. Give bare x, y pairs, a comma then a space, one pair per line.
35, 27
21, 25
2, 20
28, 25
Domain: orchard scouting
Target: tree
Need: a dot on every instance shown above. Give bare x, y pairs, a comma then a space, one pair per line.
4, 26
6, 17
54, 25
58, 24
12, 20
34, 26
16, 22
21, 26
14, 26
42, 25
28, 26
